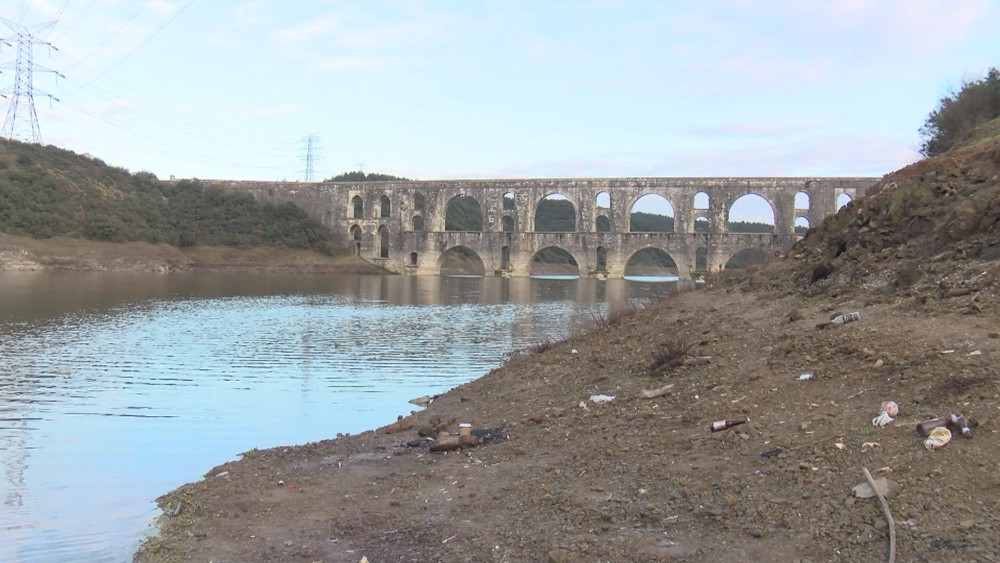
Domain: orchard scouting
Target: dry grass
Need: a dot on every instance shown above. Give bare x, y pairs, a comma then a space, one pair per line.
616, 315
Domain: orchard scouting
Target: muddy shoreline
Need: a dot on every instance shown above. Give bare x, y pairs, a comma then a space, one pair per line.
60, 253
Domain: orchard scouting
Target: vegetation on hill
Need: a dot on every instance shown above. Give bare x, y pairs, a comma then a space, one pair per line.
961, 114
360, 176
47, 192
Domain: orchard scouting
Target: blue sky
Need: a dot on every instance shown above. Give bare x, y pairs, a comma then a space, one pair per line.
500, 89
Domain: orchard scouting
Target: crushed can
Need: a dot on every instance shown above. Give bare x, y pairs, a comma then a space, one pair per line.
938, 438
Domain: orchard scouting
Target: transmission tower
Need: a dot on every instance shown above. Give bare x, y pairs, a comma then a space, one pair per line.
310, 145
21, 115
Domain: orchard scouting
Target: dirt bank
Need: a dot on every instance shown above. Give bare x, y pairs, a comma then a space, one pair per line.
642, 479
23, 253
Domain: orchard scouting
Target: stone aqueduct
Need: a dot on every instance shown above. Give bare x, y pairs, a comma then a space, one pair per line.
401, 225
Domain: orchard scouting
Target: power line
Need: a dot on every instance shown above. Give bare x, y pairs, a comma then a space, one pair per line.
142, 44
117, 31
24, 11
23, 91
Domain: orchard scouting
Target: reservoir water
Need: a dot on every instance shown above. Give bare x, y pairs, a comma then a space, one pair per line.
116, 388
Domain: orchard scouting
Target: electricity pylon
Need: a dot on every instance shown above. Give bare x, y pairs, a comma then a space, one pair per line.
21, 113
310, 144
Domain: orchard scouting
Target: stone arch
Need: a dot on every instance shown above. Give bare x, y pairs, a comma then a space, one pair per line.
417, 223
507, 224
555, 213
701, 259
603, 200
357, 207
702, 201
509, 202
384, 207
702, 224
751, 213
419, 203
651, 261
355, 232
460, 260
602, 259
801, 225
413, 260
651, 213
464, 213
554, 260
843, 199
505, 258
383, 241
802, 201
602, 224
745, 258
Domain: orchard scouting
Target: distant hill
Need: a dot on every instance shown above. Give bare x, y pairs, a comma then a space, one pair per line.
46, 191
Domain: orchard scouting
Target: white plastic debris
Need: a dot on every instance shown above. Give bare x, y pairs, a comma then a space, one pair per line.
882, 419
807, 376
975, 353
890, 407
889, 410
601, 399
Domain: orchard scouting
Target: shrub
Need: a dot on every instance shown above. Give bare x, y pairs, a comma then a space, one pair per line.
671, 354
959, 113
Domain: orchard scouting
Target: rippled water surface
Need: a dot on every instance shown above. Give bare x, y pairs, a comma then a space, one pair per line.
116, 388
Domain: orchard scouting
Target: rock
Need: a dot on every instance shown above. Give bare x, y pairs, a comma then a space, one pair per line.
400, 425
424, 401
821, 271
795, 315
885, 486
445, 442
558, 556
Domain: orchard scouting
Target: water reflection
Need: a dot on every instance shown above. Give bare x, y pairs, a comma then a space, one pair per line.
116, 388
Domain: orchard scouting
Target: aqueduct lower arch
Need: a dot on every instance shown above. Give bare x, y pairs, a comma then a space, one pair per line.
401, 225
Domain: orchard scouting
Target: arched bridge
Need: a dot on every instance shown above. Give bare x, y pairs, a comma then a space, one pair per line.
401, 225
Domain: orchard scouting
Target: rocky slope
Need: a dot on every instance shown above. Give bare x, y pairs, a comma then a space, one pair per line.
560, 477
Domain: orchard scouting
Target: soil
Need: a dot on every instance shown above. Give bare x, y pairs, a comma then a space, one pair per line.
560, 477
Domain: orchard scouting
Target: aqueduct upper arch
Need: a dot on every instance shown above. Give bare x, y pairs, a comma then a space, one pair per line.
355, 211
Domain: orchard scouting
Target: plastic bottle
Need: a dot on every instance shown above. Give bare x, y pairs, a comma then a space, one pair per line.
959, 420
842, 319
720, 425
926, 427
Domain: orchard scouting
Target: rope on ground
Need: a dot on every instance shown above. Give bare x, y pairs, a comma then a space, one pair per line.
888, 515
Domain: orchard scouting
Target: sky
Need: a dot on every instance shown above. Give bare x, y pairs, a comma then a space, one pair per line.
448, 89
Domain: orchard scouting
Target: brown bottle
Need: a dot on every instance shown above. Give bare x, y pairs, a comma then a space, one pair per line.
720, 425
959, 420
924, 428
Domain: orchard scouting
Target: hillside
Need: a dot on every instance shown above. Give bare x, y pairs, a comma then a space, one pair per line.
562, 478
49, 192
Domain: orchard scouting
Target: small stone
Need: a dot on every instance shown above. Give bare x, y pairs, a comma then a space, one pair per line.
967, 523
879, 363
558, 556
